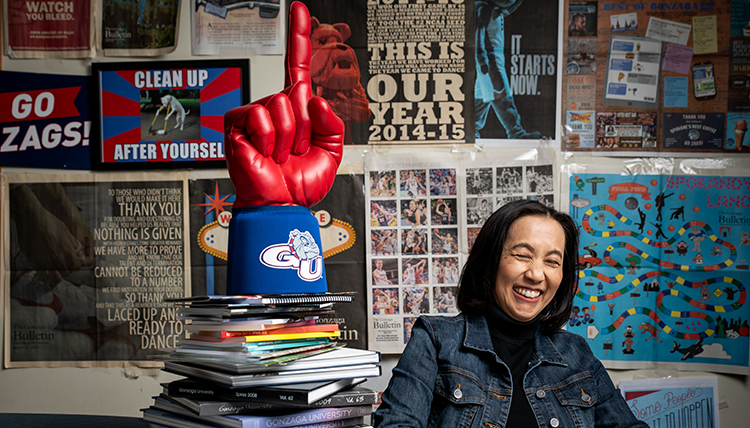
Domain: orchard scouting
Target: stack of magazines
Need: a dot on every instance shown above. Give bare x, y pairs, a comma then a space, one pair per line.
263, 361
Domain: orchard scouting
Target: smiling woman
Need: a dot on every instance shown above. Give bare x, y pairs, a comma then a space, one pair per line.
504, 360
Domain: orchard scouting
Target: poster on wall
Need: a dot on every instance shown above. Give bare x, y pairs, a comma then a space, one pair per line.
396, 73
165, 114
45, 120
424, 213
144, 28
515, 87
663, 261
90, 264
673, 402
233, 28
341, 220
40, 29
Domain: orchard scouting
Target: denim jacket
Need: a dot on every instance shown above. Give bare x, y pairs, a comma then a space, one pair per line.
450, 376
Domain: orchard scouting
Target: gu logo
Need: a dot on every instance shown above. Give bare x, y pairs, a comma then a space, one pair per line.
300, 253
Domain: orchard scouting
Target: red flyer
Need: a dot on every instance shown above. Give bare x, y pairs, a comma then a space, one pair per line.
48, 29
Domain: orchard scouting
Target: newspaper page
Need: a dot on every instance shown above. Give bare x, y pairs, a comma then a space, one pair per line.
41, 29
341, 218
662, 263
396, 72
238, 27
143, 28
89, 261
424, 212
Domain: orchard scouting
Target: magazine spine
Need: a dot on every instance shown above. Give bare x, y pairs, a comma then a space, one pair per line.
319, 328
232, 407
312, 418
216, 393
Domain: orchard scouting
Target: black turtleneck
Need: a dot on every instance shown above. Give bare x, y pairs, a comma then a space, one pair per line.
513, 341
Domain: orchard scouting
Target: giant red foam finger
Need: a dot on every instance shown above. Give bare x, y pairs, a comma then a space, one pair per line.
298, 49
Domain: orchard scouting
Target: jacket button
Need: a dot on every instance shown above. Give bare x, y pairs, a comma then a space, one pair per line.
554, 423
585, 397
541, 394
457, 393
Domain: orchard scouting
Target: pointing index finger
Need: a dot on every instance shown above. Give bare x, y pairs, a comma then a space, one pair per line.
298, 50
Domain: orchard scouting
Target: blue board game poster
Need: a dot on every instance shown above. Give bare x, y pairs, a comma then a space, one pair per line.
45, 120
663, 263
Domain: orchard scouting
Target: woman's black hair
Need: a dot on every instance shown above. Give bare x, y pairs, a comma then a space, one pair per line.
477, 285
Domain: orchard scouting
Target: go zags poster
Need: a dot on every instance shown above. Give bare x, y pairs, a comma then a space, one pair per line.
663, 276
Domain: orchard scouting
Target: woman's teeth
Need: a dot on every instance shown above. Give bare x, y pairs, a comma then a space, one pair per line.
531, 294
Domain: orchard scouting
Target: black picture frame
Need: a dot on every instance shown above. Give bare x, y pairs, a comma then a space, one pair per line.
130, 125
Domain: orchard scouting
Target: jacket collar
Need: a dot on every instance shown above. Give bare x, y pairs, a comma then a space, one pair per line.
478, 337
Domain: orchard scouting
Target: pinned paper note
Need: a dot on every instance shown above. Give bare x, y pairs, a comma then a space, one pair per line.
704, 38
668, 31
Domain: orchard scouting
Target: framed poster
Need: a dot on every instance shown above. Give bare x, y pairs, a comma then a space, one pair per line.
167, 114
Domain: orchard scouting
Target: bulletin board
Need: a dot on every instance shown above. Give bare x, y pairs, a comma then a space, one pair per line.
659, 76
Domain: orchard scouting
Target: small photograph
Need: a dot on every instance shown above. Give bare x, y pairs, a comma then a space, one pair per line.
445, 270
445, 300
478, 210
471, 236
582, 18
383, 213
413, 183
177, 115
414, 212
382, 183
414, 271
445, 241
384, 242
510, 179
408, 324
547, 200
385, 271
414, 241
539, 179
479, 181
443, 182
581, 56
443, 212
416, 300
603, 120
502, 200
385, 301
607, 143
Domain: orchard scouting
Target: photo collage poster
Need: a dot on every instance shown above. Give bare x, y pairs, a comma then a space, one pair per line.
662, 276
423, 215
